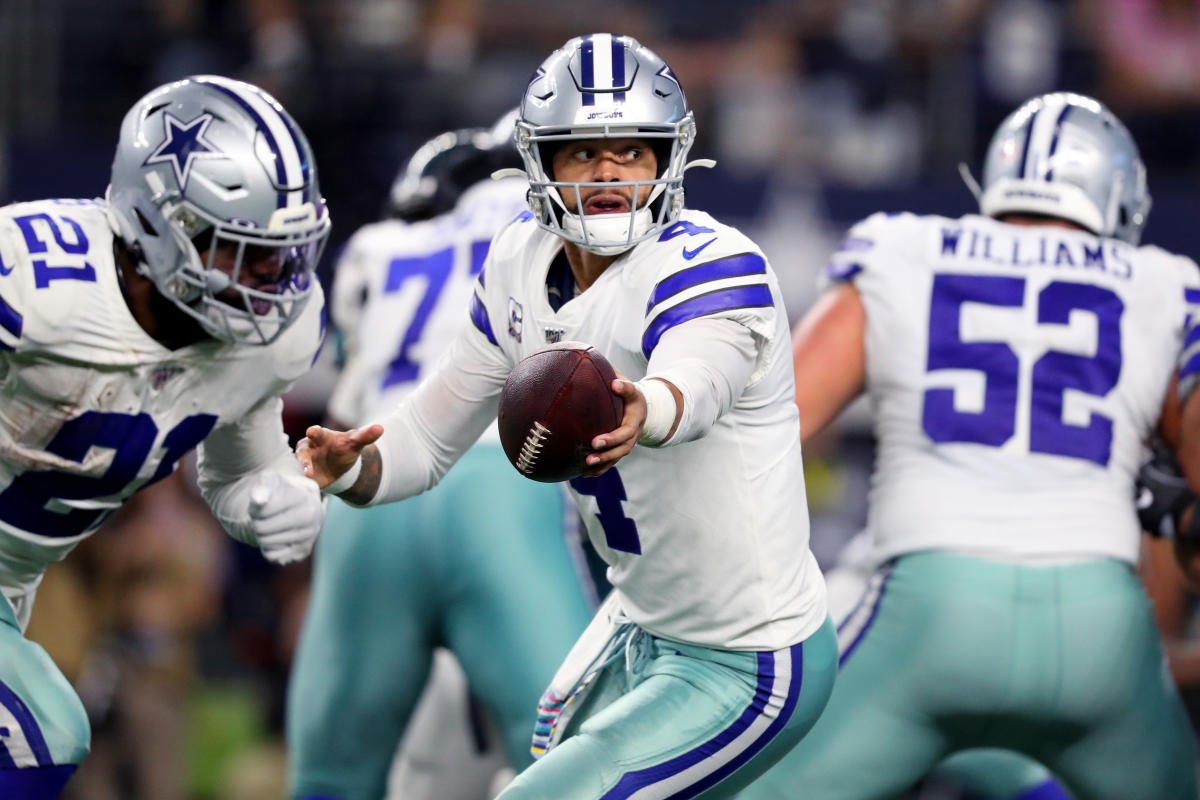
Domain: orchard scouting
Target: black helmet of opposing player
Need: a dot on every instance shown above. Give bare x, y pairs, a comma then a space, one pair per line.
213, 165
447, 165
605, 86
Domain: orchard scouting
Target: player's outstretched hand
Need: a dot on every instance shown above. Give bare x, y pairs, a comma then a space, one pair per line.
325, 454
611, 447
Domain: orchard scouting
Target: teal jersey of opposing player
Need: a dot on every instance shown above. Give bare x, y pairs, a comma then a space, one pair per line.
706, 540
92, 408
401, 291
1015, 373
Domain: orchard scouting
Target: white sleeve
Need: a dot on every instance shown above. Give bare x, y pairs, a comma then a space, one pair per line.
233, 456
710, 361
440, 421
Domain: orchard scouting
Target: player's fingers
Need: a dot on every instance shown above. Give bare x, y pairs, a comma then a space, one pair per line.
361, 437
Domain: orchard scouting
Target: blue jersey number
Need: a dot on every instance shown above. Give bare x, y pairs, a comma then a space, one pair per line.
436, 269
130, 437
1052, 374
620, 532
76, 245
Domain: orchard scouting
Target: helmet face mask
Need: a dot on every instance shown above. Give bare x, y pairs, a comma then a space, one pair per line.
1067, 156
218, 163
604, 86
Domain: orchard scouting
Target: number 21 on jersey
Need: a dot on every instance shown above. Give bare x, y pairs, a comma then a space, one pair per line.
1053, 373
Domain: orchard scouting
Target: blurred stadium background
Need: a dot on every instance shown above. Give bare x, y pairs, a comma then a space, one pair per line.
819, 112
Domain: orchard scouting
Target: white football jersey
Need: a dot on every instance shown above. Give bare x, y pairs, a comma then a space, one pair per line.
1015, 373
707, 540
401, 292
93, 408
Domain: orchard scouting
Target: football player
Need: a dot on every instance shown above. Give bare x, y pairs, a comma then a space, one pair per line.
713, 654
479, 565
171, 314
1016, 361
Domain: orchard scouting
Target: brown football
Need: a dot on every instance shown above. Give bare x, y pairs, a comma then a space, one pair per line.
554, 403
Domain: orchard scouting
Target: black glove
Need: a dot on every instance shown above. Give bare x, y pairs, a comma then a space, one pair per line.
1162, 495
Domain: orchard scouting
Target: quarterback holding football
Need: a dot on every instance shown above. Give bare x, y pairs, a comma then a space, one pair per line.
713, 654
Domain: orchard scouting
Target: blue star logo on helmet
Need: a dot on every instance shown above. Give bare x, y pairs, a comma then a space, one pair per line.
184, 144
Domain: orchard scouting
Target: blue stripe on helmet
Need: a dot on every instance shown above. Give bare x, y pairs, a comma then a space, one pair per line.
29, 727
587, 70
731, 267
1058, 123
301, 150
618, 68
10, 320
280, 171
479, 317
1191, 295
755, 296
1028, 139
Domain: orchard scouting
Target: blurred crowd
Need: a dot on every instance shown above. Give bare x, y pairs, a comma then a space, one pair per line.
819, 113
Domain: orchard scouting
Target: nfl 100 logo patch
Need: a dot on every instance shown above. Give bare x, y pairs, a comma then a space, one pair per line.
516, 319
160, 376
554, 335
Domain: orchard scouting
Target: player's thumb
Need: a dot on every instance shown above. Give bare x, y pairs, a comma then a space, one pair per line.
261, 492
361, 437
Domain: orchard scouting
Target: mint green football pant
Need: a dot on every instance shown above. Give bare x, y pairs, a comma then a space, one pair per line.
42, 721
480, 565
948, 652
670, 720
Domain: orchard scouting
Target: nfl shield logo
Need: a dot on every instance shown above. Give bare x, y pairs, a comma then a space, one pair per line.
160, 376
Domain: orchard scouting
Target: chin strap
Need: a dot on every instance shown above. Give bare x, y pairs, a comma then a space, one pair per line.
965, 173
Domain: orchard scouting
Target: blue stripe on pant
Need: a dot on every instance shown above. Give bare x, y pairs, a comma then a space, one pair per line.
687, 722
31, 743
724, 747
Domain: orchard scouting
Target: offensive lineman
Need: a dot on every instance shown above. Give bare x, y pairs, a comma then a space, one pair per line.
713, 654
463, 566
169, 315
1017, 363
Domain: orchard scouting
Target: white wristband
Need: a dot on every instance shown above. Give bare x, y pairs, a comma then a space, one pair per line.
660, 411
346, 479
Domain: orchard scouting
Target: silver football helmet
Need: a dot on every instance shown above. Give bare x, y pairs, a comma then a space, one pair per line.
212, 177
597, 86
1067, 156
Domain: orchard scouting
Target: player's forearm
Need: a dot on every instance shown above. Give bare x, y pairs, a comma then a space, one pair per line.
706, 364
439, 422
828, 358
